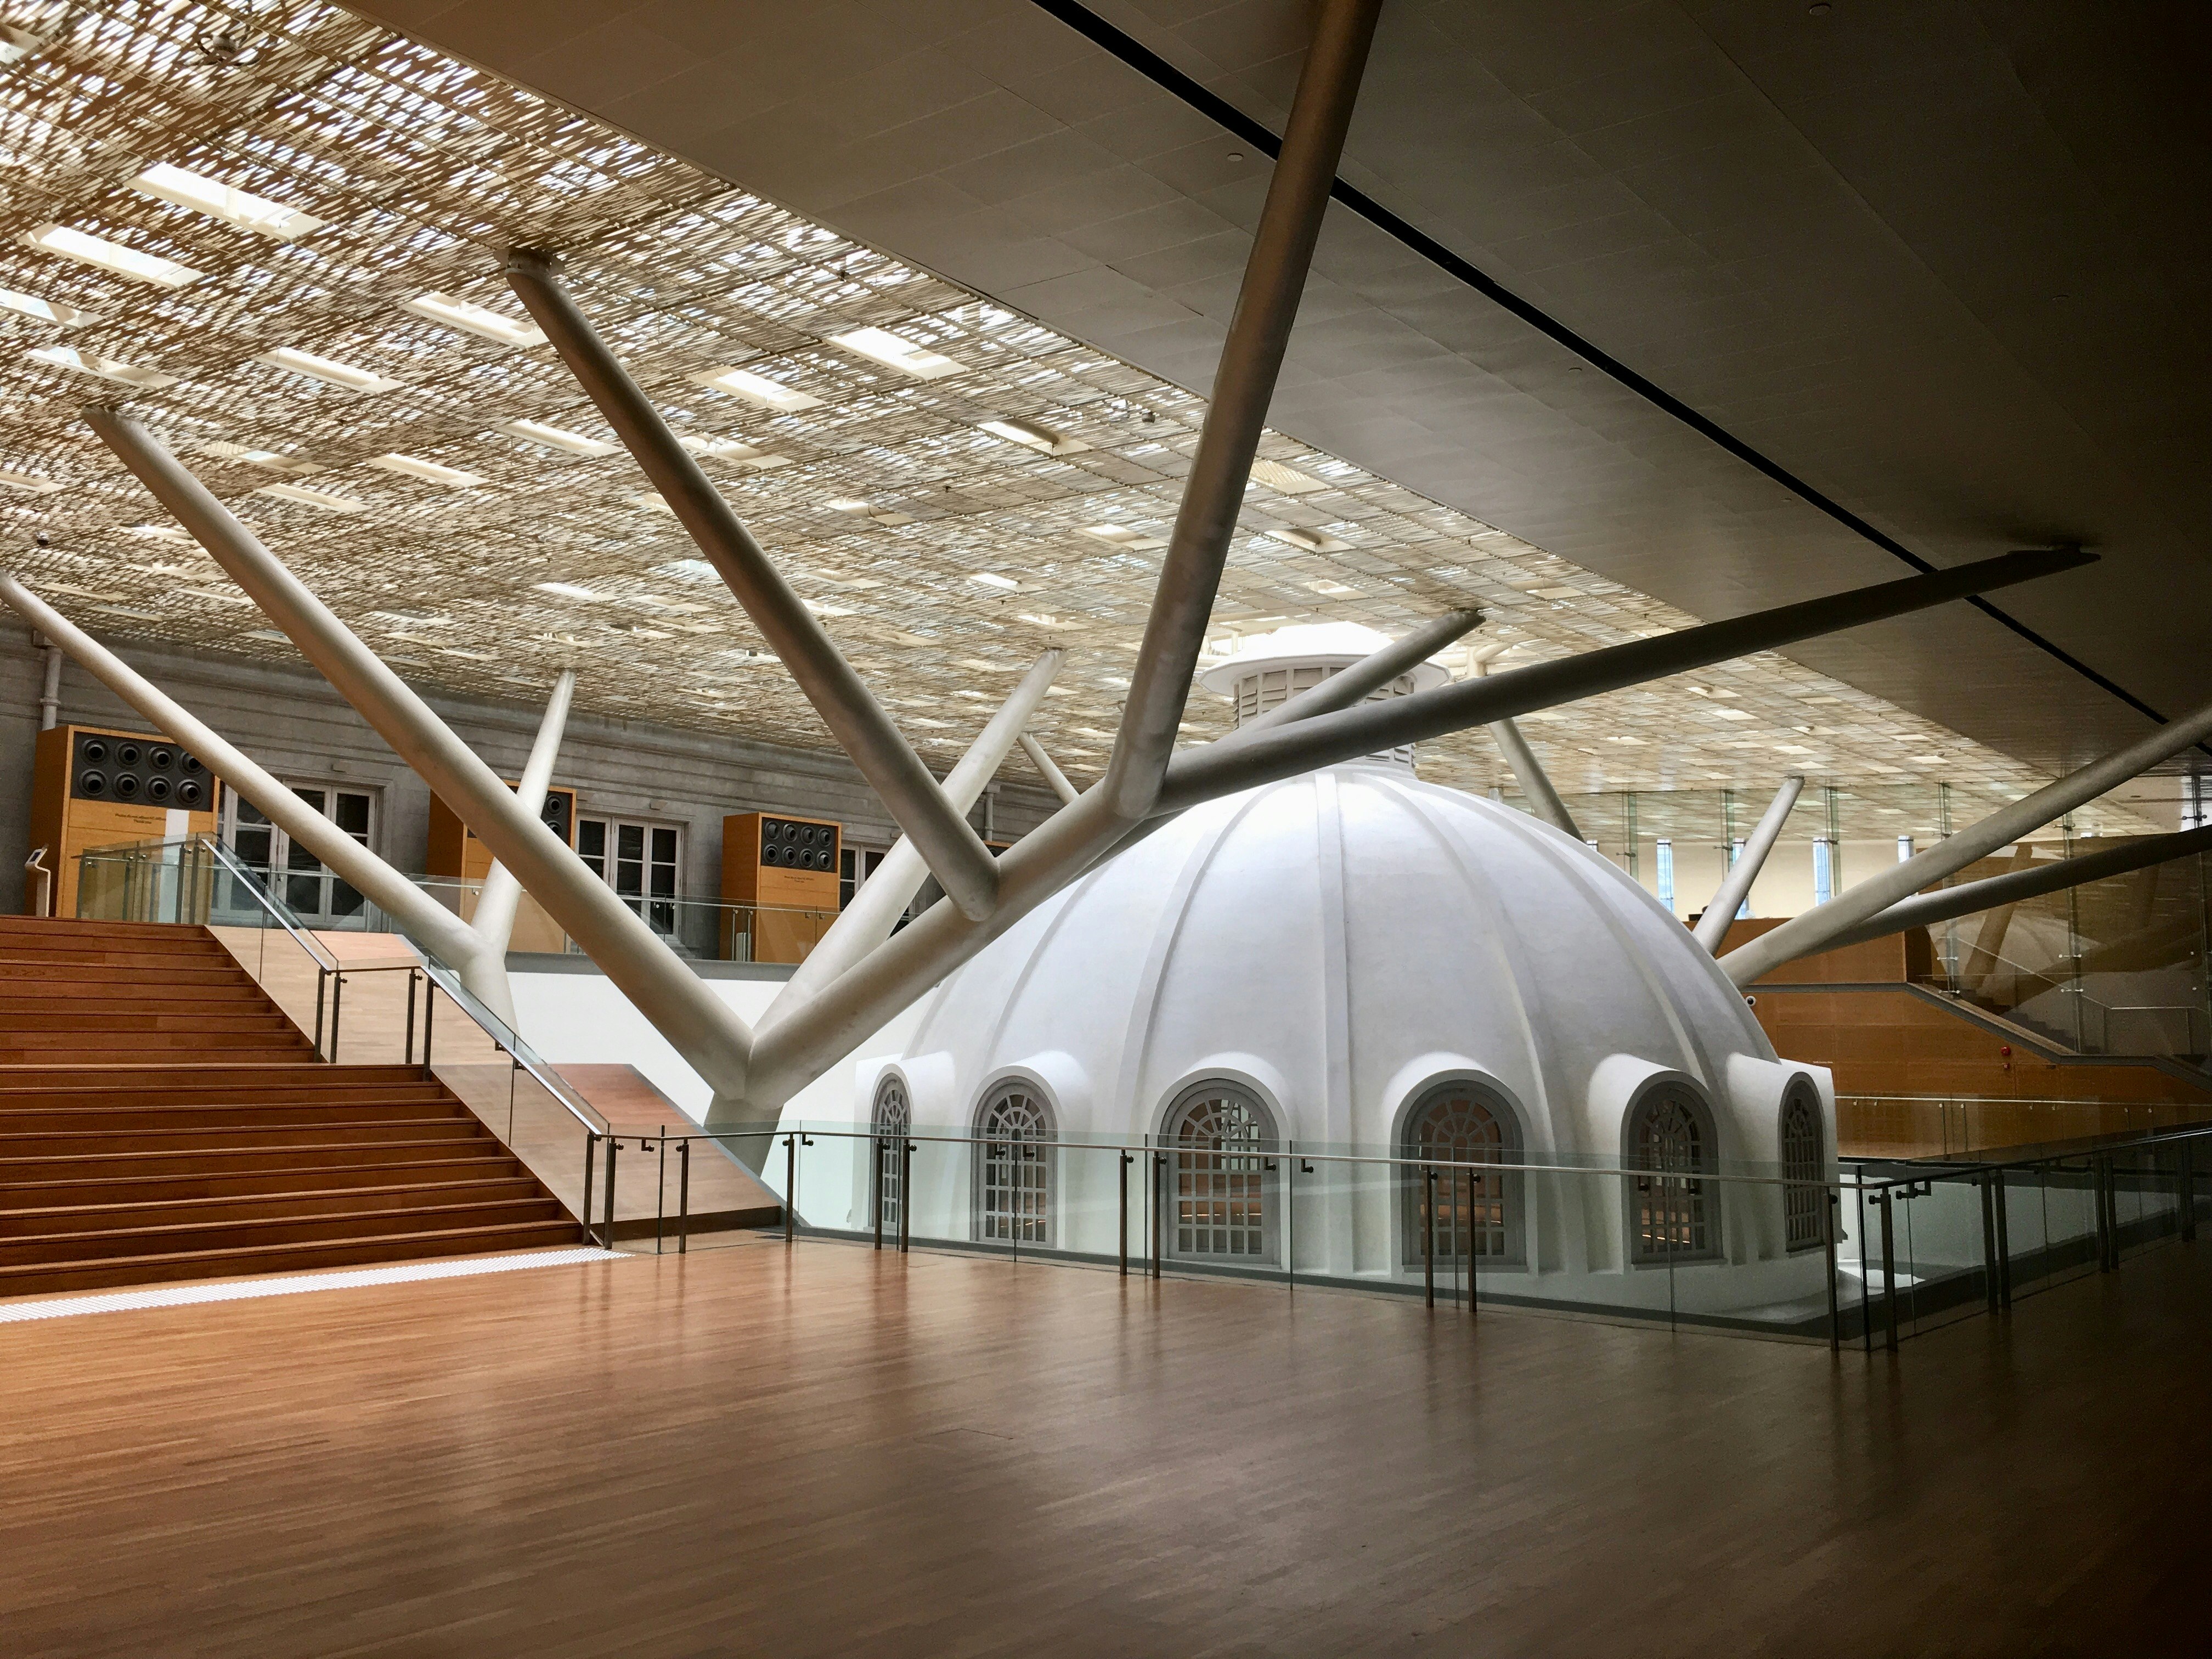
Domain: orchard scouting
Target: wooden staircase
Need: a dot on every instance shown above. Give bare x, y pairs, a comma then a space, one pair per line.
161, 1119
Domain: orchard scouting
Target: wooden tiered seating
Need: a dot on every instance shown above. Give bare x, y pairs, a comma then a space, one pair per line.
161, 1119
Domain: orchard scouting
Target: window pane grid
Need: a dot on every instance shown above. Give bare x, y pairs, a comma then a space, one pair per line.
1470, 1218
894, 1119
1220, 1189
1015, 1190
1670, 1215
1801, 1162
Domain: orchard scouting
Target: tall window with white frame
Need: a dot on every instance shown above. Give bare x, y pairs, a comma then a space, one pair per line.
1013, 1175
297, 877
1802, 1199
894, 1121
1664, 864
1453, 1125
643, 862
1220, 1137
1670, 1147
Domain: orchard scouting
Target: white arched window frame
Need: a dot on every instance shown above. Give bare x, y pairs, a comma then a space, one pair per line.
1478, 1213
1014, 1166
893, 1120
1220, 1200
1671, 1149
1802, 1149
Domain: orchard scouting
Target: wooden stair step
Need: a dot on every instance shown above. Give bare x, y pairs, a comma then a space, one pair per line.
103, 1119
384, 1222
490, 1163
202, 1160
246, 1099
54, 1220
238, 1137
50, 1279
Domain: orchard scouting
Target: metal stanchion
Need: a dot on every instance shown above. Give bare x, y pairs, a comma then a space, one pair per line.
2100, 1184
878, 1207
660, 1192
1123, 1165
1429, 1235
2186, 1181
322, 981
613, 1146
1989, 1244
1888, 1272
2004, 1240
683, 1196
338, 1003
1155, 1202
409, 1051
590, 1162
429, 1015
1830, 1204
905, 1189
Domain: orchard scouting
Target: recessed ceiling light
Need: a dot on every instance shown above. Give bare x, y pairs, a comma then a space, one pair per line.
1122, 535
111, 256
328, 370
1287, 479
554, 437
481, 320
46, 311
991, 579
430, 471
220, 201
307, 497
29, 483
1042, 439
107, 368
565, 590
881, 345
755, 388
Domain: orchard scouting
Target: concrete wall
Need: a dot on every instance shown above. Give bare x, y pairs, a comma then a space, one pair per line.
289, 720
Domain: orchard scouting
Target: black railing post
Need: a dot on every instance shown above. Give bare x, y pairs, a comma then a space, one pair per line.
337, 1005
1831, 1203
1429, 1235
1155, 1202
1888, 1271
1989, 1244
429, 1014
408, 1058
2004, 1241
613, 1146
878, 1207
2100, 1180
2186, 1180
790, 1185
591, 1163
683, 1196
659, 1191
906, 1189
1123, 1166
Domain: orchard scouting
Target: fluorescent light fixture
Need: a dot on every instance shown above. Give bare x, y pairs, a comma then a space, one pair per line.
554, 437
45, 311
1122, 535
1286, 479
822, 610
430, 471
29, 483
1555, 592
262, 457
1312, 541
650, 499
1042, 439
111, 256
881, 345
16, 45
1730, 714
566, 591
328, 370
846, 504
307, 497
1330, 588
480, 320
992, 579
220, 201
1791, 748
157, 533
689, 570
756, 389
107, 368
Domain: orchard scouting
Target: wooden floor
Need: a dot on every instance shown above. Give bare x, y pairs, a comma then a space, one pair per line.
825, 1451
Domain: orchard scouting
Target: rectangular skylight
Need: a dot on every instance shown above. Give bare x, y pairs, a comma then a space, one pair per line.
1287, 479
1311, 540
29, 483
45, 311
263, 458
729, 449
307, 497
821, 610
650, 499
689, 570
1042, 439
554, 437
846, 504
481, 320
430, 471
992, 579
328, 370
111, 256
107, 368
755, 388
220, 201
565, 591
881, 345
1122, 535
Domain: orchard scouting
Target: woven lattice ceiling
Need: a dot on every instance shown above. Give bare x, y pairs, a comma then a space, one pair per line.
275, 237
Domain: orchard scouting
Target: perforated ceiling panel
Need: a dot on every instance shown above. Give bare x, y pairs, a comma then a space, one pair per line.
275, 239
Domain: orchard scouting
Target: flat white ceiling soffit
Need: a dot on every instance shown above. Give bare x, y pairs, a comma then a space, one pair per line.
278, 245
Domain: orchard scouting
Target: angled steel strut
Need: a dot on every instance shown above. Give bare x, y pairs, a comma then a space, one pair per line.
1736, 886
501, 894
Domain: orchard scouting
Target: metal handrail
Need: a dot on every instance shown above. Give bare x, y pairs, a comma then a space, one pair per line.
443, 979
240, 870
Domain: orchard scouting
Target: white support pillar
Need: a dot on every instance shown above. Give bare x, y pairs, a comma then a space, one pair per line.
1736, 886
502, 894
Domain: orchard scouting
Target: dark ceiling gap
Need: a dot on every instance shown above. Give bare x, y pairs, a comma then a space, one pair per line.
1164, 75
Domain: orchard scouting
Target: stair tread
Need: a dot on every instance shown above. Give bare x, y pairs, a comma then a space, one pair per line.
128, 1269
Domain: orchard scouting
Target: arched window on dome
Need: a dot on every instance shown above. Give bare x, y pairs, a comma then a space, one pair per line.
1801, 1162
1013, 1168
1218, 1199
1671, 1213
1477, 1211
894, 1121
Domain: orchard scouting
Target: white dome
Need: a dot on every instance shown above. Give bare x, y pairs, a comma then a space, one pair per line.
1337, 942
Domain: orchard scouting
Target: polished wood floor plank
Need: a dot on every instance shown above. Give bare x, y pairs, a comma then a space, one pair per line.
825, 1451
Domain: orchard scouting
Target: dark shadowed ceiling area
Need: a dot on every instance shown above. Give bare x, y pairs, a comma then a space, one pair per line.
1945, 263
